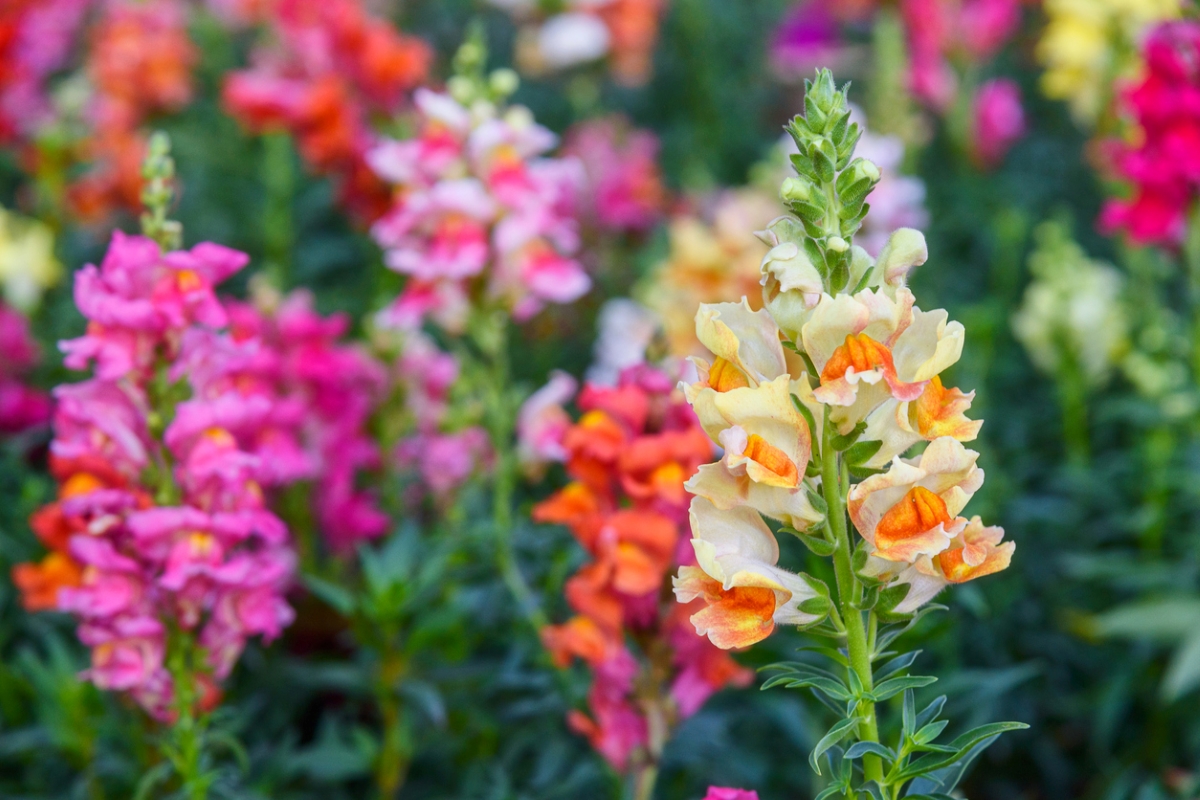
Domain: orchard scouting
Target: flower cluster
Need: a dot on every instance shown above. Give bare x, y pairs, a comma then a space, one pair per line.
1088, 43
863, 389
21, 406
628, 457
160, 534
584, 31
709, 257
322, 394
325, 68
623, 189
35, 41
1071, 317
941, 30
479, 216
1162, 163
138, 64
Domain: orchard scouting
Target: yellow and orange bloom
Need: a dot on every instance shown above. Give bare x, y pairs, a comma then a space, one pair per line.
745, 593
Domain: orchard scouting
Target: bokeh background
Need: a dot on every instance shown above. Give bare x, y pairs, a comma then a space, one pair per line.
1090, 637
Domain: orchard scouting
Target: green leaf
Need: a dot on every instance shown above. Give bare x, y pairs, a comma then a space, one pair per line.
154, 776
930, 712
831, 688
832, 737
1183, 673
930, 732
897, 664
817, 606
961, 746
894, 686
859, 749
836, 656
862, 452
819, 546
805, 412
845, 440
1163, 620
336, 597
909, 714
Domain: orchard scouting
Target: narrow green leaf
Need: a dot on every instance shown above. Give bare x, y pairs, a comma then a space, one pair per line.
859, 749
805, 412
891, 688
909, 715
835, 735
862, 452
897, 664
930, 712
984, 731
821, 547
830, 653
930, 732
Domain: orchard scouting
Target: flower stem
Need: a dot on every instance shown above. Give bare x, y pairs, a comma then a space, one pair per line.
835, 485
186, 747
493, 341
395, 754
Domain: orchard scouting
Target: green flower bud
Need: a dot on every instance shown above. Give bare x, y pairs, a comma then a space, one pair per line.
837, 244
503, 82
795, 190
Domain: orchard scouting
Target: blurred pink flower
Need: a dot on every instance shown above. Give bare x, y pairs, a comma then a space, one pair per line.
999, 121
542, 422
722, 793
622, 189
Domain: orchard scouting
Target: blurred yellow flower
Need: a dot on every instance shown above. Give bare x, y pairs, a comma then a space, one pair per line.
27, 263
713, 257
1087, 44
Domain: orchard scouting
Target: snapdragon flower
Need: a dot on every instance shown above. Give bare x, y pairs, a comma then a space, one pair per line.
480, 215
817, 400
628, 456
324, 70
161, 543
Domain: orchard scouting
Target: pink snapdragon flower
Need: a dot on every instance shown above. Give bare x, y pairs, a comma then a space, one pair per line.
167, 527
1162, 166
623, 188
323, 392
477, 205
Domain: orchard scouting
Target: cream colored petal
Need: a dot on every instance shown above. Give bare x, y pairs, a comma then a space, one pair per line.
905, 250
738, 532
927, 347
889, 424
749, 339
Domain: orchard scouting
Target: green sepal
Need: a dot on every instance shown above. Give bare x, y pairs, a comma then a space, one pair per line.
805, 412
862, 473
817, 501
817, 606
816, 255
816, 544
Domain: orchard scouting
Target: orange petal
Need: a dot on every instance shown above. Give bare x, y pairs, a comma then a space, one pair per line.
772, 458
920, 510
860, 352
723, 376
957, 570
738, 617
939, 412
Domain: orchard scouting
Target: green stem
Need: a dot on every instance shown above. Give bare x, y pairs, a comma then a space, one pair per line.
501, 428
395, 754
834, 485
1072, 392
186, 748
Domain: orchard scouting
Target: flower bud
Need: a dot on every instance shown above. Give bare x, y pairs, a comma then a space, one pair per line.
904, 251
837, 244
795, 190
